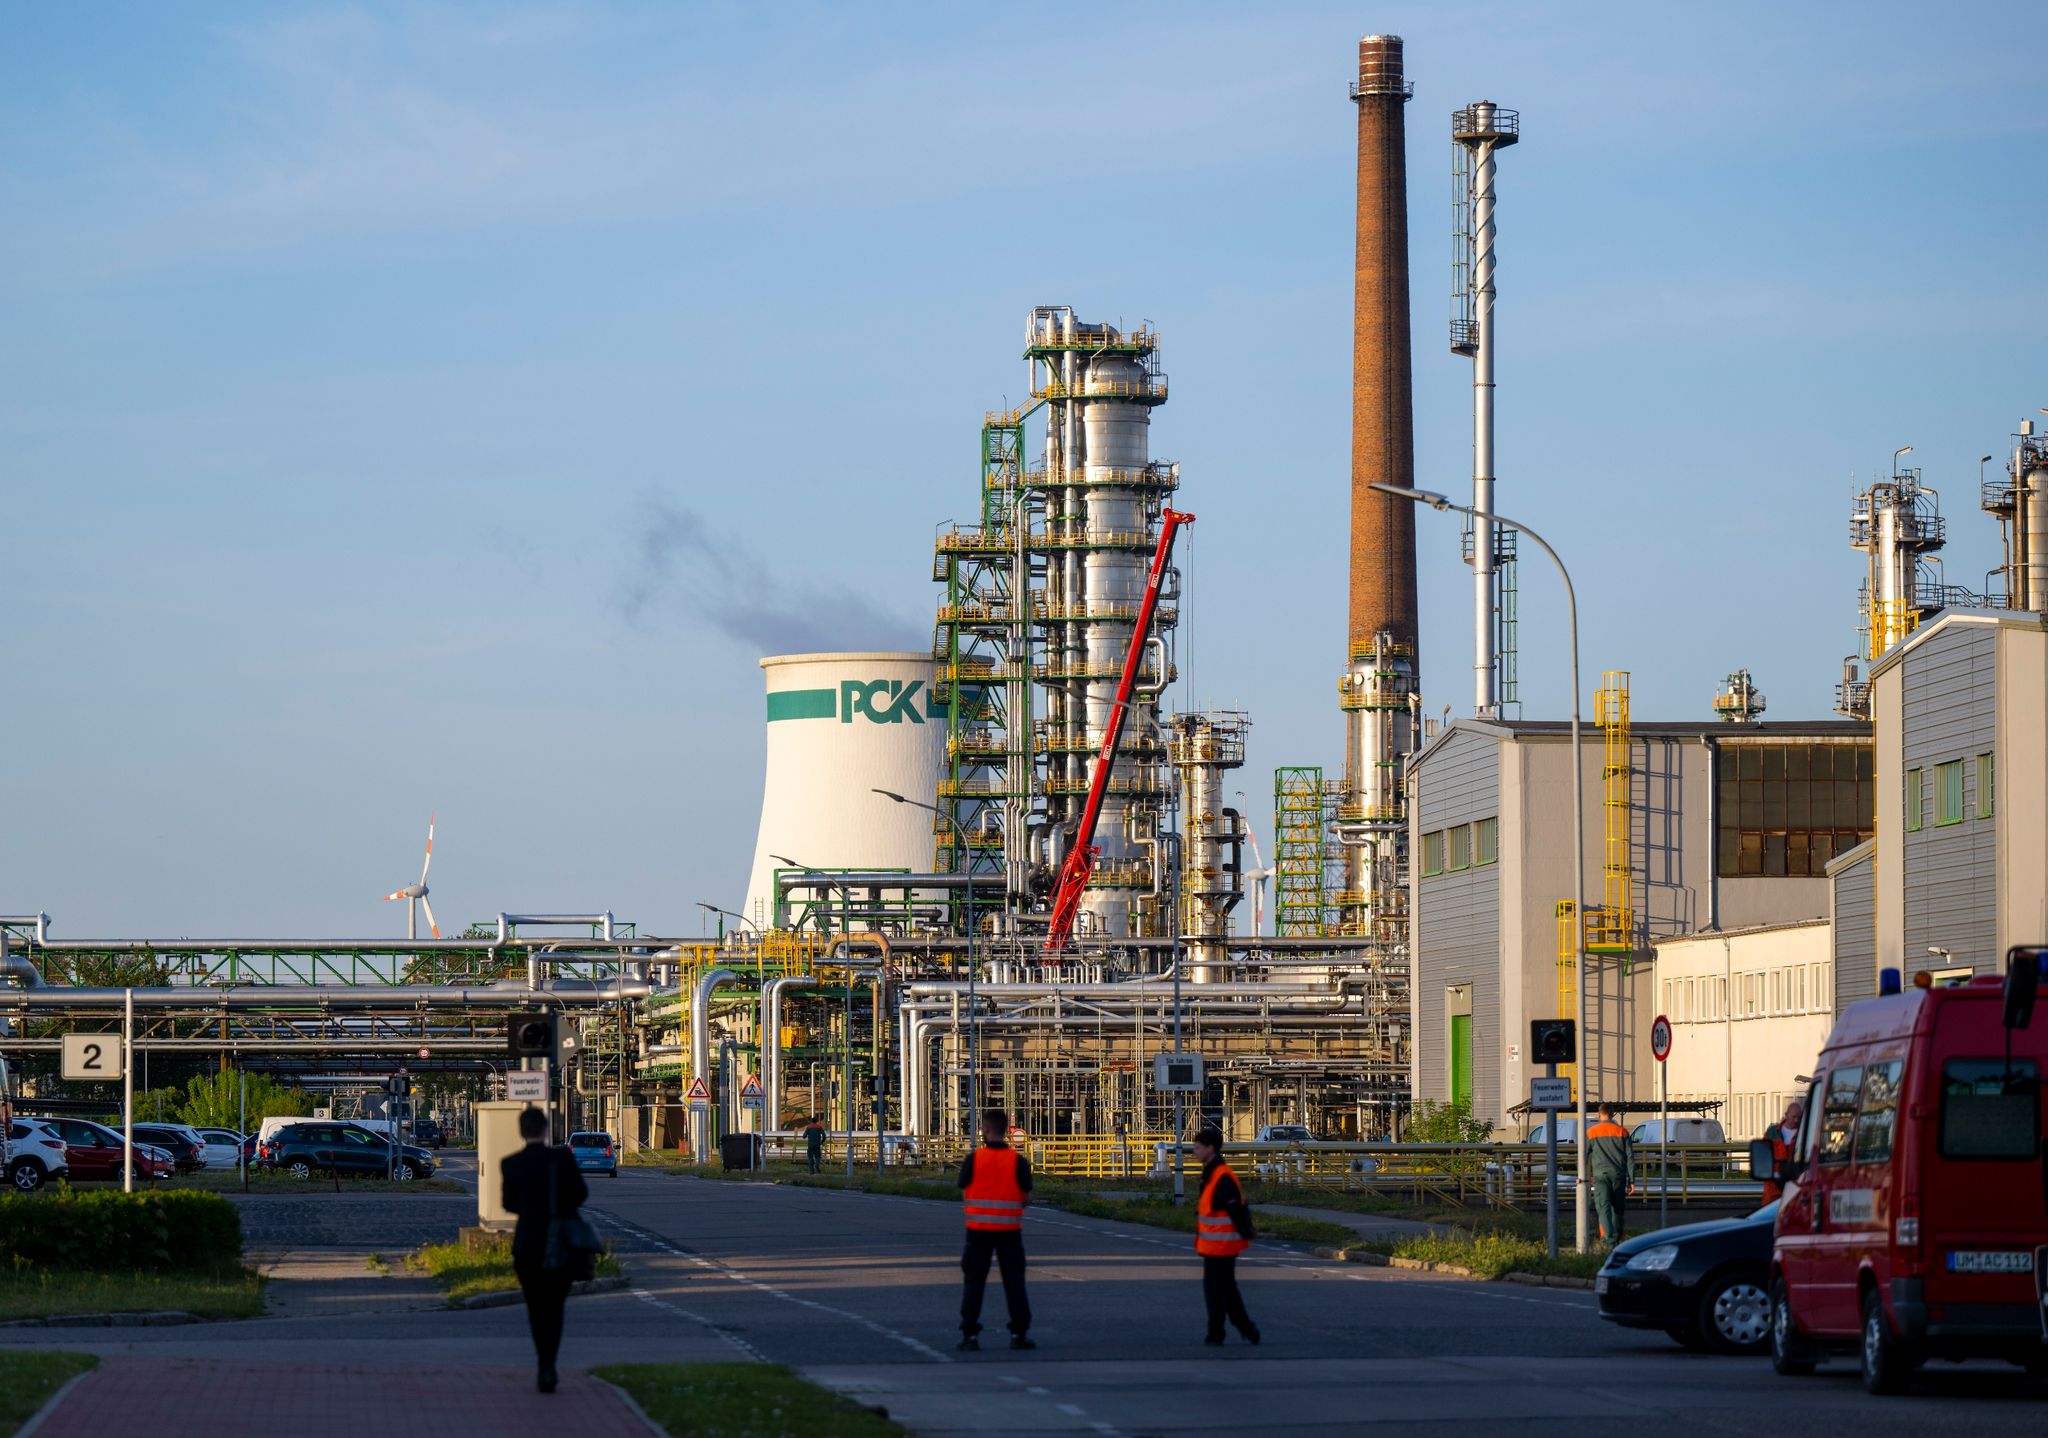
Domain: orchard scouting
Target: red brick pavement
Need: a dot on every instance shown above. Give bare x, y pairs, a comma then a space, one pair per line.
227, 1399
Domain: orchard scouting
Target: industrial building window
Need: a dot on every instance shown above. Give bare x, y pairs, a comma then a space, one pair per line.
1984, 777
1433, 853
1461, 848
1948, 793
1916, 800
1485, 841
1788, 809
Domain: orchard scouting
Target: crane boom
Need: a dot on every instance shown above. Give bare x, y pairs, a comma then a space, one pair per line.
1080, 860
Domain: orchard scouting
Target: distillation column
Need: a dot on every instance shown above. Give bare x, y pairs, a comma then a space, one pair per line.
1099, 385
1205, 747
1480, 130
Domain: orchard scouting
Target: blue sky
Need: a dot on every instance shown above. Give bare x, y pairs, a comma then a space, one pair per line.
347, 355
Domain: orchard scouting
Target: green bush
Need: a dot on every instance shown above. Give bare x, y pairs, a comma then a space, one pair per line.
110, 1231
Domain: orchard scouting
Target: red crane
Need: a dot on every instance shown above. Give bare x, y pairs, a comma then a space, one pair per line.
1080, 861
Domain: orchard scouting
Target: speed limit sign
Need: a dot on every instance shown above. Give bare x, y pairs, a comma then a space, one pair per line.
1660, 1038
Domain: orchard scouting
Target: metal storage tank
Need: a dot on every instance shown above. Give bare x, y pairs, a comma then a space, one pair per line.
839, 727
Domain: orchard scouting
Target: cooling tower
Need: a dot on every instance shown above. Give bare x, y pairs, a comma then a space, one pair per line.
839, 727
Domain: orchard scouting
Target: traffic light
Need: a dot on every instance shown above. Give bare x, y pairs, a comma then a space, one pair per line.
1553, 1041
532, 1034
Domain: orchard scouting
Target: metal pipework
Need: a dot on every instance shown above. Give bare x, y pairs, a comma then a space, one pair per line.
771, 1045
566, 992
1481, 129
700, 1054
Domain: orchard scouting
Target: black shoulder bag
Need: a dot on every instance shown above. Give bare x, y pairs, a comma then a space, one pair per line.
573, 1244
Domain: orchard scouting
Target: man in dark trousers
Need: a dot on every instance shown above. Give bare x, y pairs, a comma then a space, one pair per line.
995, 1185
814, 1146
1610, 1163
1223, 1230
530, 1177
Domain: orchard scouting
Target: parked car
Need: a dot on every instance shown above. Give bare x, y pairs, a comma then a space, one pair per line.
94, 1152
34, 1155
1913, 1221
1705, 1284
1286, 1133
223, 1147
186, 1148
1683, 1130
595, 1152
427, 1134
307, 1149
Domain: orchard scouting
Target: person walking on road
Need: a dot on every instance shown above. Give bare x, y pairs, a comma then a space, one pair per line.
814, 1146
995, 1185
541, 1183
1223, 1230
1610, 1161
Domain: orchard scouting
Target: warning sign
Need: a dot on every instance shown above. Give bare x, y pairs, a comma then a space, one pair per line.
750, 1092
699, 1093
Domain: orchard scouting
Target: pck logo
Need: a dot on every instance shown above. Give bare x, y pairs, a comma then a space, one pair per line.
898, 700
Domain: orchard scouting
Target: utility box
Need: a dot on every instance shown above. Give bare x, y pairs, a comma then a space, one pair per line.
497, 1139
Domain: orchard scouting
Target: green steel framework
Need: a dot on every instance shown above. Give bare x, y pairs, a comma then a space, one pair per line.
1300, 854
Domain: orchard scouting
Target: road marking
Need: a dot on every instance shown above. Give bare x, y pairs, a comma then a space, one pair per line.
883, 1330
746, 1348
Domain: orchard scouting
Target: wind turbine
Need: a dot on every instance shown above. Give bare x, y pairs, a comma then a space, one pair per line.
415, 895
1260, 875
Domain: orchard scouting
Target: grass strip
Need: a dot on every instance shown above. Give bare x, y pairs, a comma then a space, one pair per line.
742, 1400
463, 1272
226, 1292
1488, 1253
28, 1379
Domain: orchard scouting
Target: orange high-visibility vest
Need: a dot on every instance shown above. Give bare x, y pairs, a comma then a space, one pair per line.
1215, 1235
994, 1199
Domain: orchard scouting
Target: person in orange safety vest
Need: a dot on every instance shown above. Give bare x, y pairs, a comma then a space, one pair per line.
1610, 1163
1782, 1136
995, 1186
1223, 1230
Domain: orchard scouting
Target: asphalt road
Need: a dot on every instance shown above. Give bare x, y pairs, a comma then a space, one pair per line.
861, 1293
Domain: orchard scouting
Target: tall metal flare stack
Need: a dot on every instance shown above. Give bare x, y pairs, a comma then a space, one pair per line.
1377, 691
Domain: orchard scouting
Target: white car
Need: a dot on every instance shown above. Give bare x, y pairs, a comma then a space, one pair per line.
1683, 1130
220, 1148
32, 1155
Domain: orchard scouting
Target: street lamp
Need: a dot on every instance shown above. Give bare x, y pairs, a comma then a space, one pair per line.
846, 994
1571, 601
711, 908
973, 1012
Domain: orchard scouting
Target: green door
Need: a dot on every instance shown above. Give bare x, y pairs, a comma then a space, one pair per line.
1461, 1058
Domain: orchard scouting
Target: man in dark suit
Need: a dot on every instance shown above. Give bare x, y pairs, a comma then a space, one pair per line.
528, 1175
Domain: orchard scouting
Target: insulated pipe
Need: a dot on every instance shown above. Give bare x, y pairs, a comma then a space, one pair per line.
506, 922
18, 967
771, 1045
566, 992
700, 1054
39, 922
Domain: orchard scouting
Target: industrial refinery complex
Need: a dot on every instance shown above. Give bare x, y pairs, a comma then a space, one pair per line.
1015, 867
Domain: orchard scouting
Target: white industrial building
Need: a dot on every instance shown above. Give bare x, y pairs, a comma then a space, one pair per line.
1749, 1011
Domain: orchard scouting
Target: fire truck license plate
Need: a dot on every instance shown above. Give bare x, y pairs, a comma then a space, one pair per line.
1981, 1262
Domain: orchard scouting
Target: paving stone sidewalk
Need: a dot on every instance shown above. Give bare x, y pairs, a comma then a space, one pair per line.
231, 1399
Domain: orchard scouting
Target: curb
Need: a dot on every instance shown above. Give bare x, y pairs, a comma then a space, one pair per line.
37, 1418
1381, 1260
504, 1297
164, 1318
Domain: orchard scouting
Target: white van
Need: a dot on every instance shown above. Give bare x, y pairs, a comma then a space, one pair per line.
1682, 1130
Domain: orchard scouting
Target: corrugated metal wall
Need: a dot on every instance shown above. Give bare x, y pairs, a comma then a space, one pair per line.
1855, 930
1949, 698
1456, 926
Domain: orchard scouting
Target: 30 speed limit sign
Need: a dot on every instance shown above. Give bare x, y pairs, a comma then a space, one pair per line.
1660, 1038
92, 1056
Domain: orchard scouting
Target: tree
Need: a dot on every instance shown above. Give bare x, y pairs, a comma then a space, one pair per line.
215, 1100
